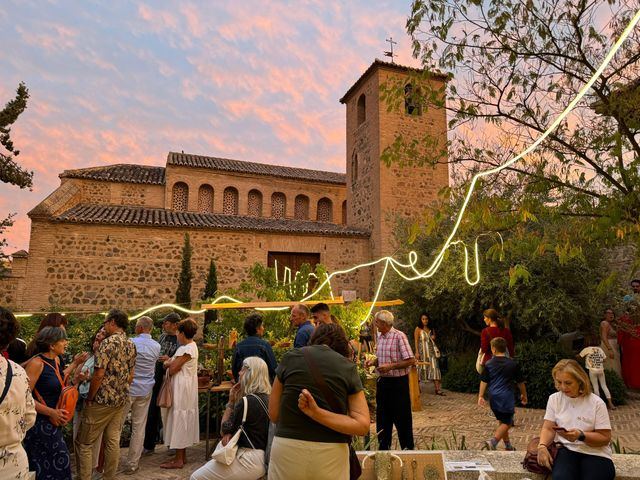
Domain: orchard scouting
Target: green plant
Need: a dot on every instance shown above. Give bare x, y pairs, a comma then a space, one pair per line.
461, 375
183, 293
617, 447
617, 388
536, 360
210, 291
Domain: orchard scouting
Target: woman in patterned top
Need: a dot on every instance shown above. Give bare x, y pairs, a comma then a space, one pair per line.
428, 353
17, 410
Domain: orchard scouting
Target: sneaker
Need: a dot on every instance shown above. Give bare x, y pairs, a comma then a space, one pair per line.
146, 452
130, 470
510, 448
490, 445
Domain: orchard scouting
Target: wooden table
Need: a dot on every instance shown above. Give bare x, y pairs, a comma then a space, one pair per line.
216, 390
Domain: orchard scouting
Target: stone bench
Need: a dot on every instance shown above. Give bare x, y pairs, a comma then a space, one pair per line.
507, 465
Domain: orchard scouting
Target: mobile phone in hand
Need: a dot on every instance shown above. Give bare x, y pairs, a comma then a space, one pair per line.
559, 429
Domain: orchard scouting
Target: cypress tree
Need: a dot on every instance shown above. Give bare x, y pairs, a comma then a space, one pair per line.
183, 293
210, 291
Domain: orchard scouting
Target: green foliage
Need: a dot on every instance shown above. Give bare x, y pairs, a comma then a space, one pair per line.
537, 359
461, 375
350, 316
183, 293
616, 387
10, 171
210, 291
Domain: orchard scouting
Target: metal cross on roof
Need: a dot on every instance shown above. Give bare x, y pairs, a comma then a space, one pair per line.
390, 52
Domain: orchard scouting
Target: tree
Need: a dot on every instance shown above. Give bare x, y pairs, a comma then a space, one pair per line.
10, 171
183, 293
515, 66
210, 292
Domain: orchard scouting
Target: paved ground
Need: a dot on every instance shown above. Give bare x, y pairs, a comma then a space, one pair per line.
434, 428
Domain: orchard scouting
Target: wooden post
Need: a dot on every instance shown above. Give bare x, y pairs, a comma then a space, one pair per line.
414, 390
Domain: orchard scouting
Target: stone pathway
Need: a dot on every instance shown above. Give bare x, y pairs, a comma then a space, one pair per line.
434, 428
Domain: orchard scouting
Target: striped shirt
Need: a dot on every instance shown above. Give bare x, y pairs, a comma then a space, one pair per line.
393, 347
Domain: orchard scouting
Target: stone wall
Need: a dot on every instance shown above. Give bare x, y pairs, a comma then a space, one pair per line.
84, 267
113, 193
267, 186
378, 194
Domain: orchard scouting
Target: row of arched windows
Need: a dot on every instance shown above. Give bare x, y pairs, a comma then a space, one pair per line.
180, 202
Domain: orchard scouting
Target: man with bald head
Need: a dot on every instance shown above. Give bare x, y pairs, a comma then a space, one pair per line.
148, 351
300, 319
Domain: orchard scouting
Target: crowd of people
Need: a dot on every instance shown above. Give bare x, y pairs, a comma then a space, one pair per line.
287, 419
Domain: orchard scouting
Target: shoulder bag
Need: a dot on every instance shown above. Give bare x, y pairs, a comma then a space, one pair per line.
165, 395
480, 361
270, 435
530, 462
68, 396
355, 468
7, 382
227, 453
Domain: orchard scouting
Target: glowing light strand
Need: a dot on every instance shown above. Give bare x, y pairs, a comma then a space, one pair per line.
450, 239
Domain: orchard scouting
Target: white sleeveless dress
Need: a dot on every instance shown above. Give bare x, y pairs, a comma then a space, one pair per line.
181, 422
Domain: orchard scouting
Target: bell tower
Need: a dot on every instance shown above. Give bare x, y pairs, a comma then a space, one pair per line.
377, 194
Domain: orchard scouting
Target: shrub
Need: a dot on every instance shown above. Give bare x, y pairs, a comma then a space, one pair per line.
617, 388
537, 359
461, 373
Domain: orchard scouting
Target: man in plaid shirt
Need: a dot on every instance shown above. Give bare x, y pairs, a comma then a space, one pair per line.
393, 403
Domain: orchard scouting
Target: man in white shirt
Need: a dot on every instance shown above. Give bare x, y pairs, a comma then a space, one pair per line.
148, 351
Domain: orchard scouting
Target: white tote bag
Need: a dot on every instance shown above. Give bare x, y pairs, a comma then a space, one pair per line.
479, 360
227, 453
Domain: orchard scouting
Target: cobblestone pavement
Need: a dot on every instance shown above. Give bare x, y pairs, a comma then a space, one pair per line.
434, 427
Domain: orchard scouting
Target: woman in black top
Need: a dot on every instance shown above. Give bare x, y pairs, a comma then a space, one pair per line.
312, 438
249, 463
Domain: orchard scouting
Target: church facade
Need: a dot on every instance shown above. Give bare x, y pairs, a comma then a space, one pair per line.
112, 236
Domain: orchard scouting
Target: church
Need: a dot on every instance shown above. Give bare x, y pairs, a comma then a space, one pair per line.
112, 236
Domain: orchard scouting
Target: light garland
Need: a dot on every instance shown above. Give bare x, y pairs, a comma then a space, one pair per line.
397, 266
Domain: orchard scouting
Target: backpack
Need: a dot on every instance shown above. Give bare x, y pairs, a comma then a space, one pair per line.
68, 397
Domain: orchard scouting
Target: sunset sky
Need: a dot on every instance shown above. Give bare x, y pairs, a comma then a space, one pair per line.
126, 82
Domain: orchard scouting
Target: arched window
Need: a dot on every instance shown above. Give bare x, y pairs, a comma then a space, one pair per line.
254, 207
230, 201
278, 205
301, 208
205, 199
362, 109
344, 212
354, 167
325, 210
180, 194
412, 101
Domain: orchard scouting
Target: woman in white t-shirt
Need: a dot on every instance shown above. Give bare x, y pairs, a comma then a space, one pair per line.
579, 420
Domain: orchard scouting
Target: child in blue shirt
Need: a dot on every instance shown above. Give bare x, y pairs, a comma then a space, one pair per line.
499, 375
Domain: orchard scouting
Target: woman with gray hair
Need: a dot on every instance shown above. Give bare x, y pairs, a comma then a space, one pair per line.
44, 443
249, 463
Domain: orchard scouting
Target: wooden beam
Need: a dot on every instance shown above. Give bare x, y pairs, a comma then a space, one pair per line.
227, 306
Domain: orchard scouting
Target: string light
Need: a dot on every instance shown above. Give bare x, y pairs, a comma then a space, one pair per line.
435, 265
411, 266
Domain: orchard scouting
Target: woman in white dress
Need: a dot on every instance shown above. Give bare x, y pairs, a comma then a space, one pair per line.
609, 342
428, 353
181, 422
17, 409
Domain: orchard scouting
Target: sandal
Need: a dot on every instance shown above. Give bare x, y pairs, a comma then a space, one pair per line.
172, 465
441, 393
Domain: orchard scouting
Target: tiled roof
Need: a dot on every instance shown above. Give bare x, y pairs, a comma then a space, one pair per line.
227, 165
120, 173
159, 217
379, 63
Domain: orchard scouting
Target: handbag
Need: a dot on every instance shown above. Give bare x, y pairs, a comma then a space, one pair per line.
530, 462
67, 400
355, 468
7, 382
436, 352
270, 434
165, 395
480, 361
227, 453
